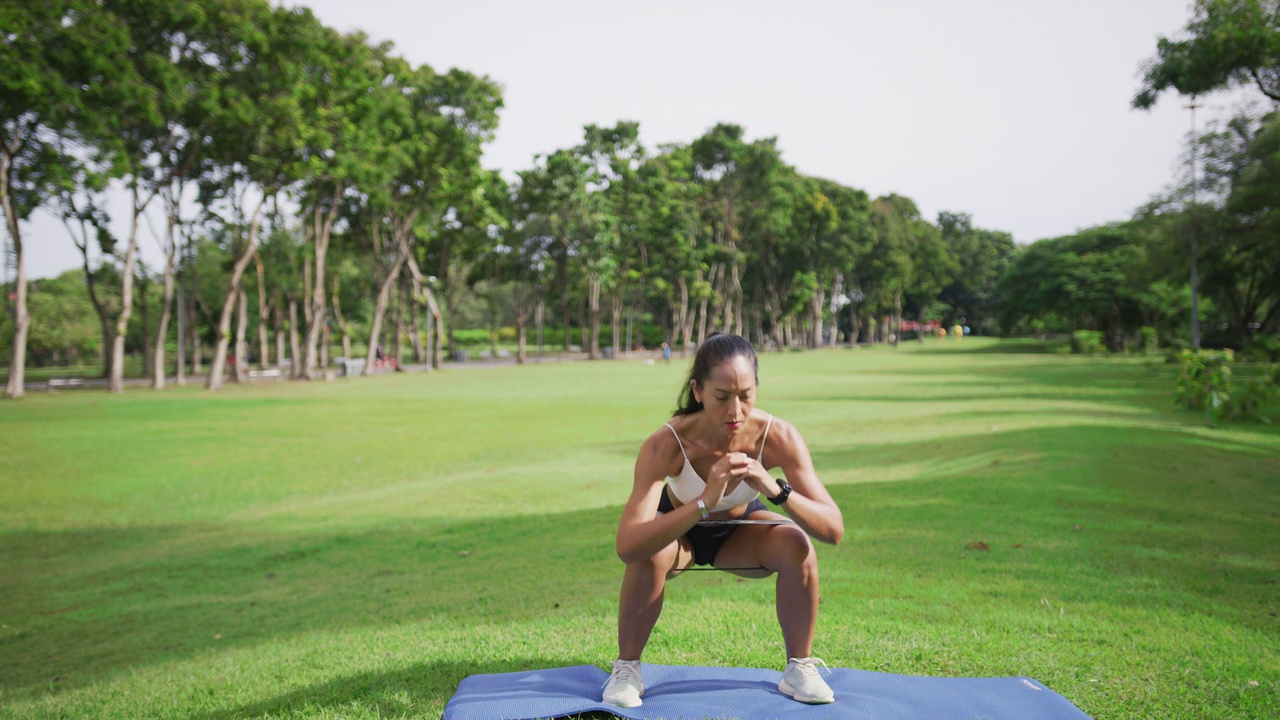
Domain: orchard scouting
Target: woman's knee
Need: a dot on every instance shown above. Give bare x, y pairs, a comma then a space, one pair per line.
659, 563
791, 547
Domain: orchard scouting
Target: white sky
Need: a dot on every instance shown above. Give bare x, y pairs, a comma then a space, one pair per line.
1016, 111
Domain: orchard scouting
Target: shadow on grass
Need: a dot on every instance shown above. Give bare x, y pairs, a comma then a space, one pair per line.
396, 693
84, 605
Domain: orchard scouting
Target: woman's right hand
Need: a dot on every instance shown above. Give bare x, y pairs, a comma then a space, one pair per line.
732, 465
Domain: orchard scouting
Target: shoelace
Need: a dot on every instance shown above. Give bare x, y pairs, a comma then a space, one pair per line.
623, 672
808, 665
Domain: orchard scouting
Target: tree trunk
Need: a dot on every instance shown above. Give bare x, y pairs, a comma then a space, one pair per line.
322, 228
521, 359
415, 335
397, 312
218, 366
143, 284
197, 351
616, 306
242, 331
324, 352
115, 383
277, 313
593, 317
815, 318
184, 319
702, 320
21, 320
434, 339
264, 356
303, 363
897, 317
379, 310
686, 318
854, 326
166, 305
81, 241
295, 342
342, 321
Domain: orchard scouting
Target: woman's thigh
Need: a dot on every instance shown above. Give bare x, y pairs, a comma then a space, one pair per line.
682, 558
757, 551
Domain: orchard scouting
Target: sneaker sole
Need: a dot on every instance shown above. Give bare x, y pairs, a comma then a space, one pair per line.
790, 692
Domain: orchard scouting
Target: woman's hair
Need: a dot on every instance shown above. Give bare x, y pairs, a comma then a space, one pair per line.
716, 349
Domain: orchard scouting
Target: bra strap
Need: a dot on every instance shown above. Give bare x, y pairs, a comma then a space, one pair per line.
673, 432
763, 439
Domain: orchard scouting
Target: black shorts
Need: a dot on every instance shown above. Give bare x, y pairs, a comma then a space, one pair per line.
707, 540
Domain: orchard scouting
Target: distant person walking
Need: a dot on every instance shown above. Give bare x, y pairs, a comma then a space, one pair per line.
666, 353
711, 462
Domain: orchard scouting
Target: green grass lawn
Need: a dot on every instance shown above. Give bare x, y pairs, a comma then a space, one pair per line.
354, 549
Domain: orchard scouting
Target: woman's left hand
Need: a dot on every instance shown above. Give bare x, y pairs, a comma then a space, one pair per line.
760, 480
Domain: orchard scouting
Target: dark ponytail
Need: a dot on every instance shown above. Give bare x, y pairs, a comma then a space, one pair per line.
716, 349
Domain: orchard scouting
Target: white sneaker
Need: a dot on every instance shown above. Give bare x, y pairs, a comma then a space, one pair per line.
802, 683
625, 685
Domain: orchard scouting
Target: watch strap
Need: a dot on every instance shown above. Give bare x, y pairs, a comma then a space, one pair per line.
783, 493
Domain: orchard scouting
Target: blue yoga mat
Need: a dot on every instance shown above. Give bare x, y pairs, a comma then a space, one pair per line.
681, 693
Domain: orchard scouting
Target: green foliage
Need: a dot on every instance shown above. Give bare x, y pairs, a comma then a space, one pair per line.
1087, 342
1093, 279
1149, 338
1259, 394
1227, 43
1264, 348
1204, 380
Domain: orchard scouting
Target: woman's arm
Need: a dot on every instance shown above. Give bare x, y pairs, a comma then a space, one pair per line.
641, 531
809, 504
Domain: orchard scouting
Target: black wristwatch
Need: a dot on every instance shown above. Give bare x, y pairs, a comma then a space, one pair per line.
783, 494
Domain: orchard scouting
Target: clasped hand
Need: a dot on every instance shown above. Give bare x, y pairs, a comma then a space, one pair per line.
742, 467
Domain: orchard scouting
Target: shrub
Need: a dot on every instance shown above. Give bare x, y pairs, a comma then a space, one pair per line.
1087, 342
1148, 339
1264, 348
1258, 393
1204, 380
1205, 383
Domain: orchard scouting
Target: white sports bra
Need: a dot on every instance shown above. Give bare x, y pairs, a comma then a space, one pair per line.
688, 485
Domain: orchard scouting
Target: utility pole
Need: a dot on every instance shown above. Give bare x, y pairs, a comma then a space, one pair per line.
1195, 232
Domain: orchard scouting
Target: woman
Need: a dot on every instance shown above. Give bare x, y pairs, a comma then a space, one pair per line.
712, 462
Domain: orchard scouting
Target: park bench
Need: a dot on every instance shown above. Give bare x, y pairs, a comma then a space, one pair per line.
54, 383
268, 373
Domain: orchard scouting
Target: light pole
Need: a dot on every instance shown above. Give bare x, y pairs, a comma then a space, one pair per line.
1195, 231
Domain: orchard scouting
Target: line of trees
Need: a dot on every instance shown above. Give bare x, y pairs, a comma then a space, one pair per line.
318, 190
348, 185
1208, 248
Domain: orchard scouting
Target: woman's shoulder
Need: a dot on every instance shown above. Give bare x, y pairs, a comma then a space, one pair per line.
780, 433
666, 438
663, 448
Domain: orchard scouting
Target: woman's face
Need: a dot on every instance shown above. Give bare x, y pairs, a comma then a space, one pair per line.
729, 393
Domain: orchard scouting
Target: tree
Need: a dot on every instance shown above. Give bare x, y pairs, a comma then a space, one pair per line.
253, 134
67, 332
448, 117
345, 148
667, 234
1227, 43
1242, 257
982, 256
612, 156
55, 58
1093, 280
